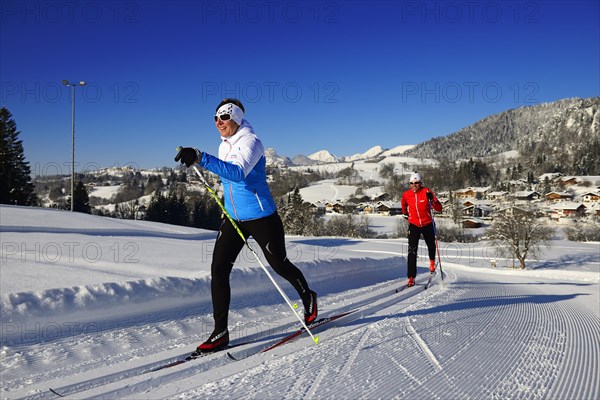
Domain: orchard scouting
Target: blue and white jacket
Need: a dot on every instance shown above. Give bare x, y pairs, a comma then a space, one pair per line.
242, 167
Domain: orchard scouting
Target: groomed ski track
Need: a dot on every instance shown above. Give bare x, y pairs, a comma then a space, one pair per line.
483, 336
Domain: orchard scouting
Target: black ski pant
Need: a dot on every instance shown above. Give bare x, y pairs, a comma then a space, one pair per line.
268, 233
414, 233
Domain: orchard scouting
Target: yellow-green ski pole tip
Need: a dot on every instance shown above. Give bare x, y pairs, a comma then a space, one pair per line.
316, 340
295, 305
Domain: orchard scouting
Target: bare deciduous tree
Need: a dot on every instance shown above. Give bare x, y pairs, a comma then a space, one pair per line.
518, 233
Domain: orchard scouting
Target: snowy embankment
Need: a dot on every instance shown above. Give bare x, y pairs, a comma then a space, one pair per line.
89, 304
56, 263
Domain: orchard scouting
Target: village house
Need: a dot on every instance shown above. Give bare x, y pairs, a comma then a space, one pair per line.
472, 192
335, 206
567, 180
558, 196
468, 203
473, 202
366, 208
464, 193
567, 210
317, 208
497, 196
478, 211
389, 208
590, 197
527, 195
472, 223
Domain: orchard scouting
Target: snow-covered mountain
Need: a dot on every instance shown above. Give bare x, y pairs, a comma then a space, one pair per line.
563, 135
323, 156
326, 157
301, 159
371, 153
397, 150
275, 159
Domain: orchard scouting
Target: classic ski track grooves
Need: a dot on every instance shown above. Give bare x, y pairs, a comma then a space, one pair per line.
354, 353
581, 381
376, 303
437, 341
421, 343
315, 386
128, 381
384, 301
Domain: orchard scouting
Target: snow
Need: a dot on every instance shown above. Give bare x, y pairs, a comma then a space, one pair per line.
105, 192
327, 190
89, 303
397, 150
509, 154
323, 156
372, 152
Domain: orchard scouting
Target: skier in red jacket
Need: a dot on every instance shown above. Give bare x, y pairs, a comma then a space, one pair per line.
417, 203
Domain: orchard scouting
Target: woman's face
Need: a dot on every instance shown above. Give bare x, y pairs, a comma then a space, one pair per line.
226, 128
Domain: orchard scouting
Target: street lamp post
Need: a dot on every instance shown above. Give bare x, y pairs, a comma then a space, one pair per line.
73, 85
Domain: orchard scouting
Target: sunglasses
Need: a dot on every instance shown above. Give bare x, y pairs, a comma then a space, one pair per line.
415, 183
223, 117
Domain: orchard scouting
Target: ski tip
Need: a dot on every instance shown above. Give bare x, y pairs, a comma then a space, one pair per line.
56, 393
231, 356
316, 340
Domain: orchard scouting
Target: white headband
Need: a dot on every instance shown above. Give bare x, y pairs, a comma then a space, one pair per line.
236, 113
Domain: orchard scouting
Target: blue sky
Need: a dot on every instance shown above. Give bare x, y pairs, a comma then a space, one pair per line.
337, 75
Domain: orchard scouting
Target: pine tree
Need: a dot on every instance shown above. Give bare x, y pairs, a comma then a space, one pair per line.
176, 209
205, 213
157, 209
15, 174
171, 209
293, 215
82, 199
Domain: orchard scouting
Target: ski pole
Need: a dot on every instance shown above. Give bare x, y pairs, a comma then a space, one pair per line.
281, 292
437, 247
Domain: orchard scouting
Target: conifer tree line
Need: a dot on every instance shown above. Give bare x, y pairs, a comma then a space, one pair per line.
15, 175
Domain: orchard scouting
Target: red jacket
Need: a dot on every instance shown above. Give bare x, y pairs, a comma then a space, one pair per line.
416, 206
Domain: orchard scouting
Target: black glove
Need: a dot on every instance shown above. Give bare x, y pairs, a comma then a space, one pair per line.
429, 196
405, 216
188, 156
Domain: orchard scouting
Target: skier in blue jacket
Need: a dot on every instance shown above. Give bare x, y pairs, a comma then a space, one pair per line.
241, 164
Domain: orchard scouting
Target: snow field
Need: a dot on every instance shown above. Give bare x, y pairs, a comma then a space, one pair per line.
90, 330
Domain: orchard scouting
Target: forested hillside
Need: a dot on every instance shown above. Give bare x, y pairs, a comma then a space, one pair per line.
563, 136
